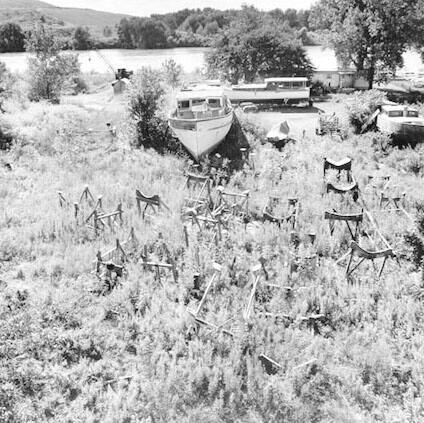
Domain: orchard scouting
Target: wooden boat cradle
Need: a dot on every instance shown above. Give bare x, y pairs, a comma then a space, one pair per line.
357, 218
367, 255
204, 222
200, 190
115, 257
217, 270
353, 189
292, 212
102, 220
154, 202
236, 204
341, 165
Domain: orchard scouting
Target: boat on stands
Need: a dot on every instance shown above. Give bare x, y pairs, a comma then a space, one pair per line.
287, 90
401, 122
202, 118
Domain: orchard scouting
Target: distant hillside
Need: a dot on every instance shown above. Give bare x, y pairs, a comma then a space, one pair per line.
25, 12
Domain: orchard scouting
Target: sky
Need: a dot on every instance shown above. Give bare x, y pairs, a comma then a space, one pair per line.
146, 7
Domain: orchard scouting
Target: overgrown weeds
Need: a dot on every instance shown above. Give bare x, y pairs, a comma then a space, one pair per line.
135, 354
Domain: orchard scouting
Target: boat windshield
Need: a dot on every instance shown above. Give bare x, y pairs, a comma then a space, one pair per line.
201, 108
184, 104
395, 113
412, 113
214, 103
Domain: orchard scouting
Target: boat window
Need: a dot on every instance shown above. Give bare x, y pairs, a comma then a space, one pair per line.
214, 103
395, 113
184, 104
197, 101
284, 85
412, 113
297, 84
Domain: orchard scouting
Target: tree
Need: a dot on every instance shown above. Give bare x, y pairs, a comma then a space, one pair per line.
145, 95
12, 39
107, 31
151, 34
125, 34
172, 72
49, 68
370, 34
6, 85
142, 33
82, 39
252, 46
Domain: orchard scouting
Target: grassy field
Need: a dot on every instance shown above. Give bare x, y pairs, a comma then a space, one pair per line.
348, 350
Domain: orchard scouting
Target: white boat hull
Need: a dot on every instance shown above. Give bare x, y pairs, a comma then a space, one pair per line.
257, 96
200, 137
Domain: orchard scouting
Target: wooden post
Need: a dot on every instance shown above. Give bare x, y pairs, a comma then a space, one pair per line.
138, 203
186, 235
76, 210
99, 261
174, 270
217, 271
95, 221
120, 212
249, 307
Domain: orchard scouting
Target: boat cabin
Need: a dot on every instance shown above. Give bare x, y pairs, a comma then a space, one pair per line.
201, 104
276, 84
397, 111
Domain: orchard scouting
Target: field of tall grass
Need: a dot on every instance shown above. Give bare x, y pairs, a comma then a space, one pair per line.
348, 350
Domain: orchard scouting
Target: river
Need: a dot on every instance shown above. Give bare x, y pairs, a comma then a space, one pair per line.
190, 59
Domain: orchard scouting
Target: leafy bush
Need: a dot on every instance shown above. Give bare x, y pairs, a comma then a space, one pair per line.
6, 85
172, 72
145, 98
49, 69
318, 88
6, 134
361, 105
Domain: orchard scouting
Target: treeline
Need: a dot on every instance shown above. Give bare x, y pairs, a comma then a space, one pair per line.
199, 27
185, 28
14, 39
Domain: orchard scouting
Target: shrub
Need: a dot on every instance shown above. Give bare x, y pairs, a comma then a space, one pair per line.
145, 98
318, 88
361, 105
49, 69
172, 72
415, 239
6, 134
6, 85
414, 163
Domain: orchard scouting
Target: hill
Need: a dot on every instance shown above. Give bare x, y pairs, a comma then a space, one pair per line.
26, 12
